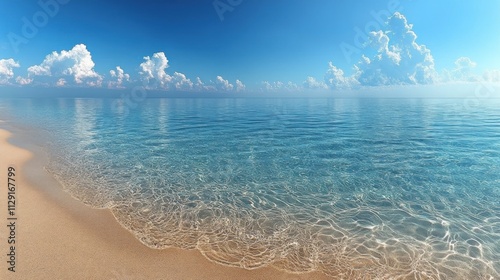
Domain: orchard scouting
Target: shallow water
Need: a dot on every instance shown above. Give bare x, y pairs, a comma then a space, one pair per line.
364, 188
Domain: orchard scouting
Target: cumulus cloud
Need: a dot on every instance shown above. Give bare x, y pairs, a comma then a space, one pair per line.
463, 71
279, 86
309, 84
180, 82
312, 83
492, 76
399, 60
153, 72
119, 77
464, 64
154, 76
7, 70
23, 81
61, 82
219, 85
240, 86
335, 78
198, 85
75, 65
223, 85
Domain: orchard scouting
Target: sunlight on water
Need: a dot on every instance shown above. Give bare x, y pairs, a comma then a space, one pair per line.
368, 189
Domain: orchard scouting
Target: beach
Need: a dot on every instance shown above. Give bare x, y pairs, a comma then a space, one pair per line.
58, 237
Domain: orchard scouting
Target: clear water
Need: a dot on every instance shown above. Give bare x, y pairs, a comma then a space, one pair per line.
362, 188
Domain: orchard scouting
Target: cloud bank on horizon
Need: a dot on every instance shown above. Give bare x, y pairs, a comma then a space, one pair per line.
397, 59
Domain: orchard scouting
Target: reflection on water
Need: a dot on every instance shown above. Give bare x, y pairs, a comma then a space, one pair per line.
363, 188
85, 122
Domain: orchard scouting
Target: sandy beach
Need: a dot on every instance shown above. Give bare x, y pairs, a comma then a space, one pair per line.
57, 237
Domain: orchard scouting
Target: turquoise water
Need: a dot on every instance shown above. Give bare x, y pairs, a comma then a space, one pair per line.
363, 188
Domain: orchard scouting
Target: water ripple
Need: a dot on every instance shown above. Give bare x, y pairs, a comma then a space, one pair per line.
393, 189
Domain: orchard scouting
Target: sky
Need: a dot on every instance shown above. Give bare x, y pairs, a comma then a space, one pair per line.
244, 45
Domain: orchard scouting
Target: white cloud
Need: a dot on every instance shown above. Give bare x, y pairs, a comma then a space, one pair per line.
74, 65
198, 85
223, 85
61, 82
463, 72
335, 78
464, 64
464, 68
380, 41
219, 85
279, 86
180, 82
240, 86
23, 81
492, 76
154, 76
267, 86
119, 78
312, 83
7, 70
153, 71
399, 60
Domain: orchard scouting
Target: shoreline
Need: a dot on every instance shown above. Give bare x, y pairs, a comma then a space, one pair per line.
59, 237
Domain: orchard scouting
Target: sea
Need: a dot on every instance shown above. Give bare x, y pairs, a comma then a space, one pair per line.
357, 188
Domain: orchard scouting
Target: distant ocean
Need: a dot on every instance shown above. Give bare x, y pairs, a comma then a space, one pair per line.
365, 188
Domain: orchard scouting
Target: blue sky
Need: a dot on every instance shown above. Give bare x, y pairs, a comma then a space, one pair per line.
255, 45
